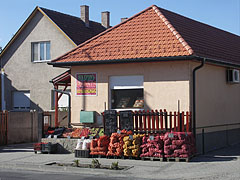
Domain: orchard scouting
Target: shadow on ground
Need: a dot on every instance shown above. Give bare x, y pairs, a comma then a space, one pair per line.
230, 153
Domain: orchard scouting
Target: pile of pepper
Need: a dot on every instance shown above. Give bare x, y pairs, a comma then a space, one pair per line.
132, 145
152, 146
99, 146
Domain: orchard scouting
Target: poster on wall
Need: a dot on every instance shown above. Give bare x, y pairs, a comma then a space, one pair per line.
86, 84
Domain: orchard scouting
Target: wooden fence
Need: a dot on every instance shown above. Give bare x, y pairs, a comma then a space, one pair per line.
159, 121
3, 128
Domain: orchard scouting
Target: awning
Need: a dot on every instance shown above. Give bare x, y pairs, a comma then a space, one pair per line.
63, 79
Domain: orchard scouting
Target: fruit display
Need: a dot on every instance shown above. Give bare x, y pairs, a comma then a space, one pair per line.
152, 146
76, 132
179, 144
132, 145
99, 146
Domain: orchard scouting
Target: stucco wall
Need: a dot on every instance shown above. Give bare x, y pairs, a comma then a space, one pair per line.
22, 74
217, 109
218, 102
164, 84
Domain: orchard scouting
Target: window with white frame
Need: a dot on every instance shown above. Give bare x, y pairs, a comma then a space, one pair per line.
21, 100
41, 51
127, 92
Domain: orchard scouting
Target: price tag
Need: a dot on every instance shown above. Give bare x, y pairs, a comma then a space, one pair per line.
170, 135
151, 138
118, 131
55, 136
131, 137
82, 137
69, 137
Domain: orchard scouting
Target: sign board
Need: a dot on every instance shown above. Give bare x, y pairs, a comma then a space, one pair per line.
110, 117
126, 120
86, 84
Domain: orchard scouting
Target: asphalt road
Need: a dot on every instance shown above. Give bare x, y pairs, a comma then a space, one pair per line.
19, 162
35, 175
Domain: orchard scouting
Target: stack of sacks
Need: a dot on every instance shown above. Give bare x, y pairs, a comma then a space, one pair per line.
99, 146
152, 147
131, 145
115, 147
179, 144
83, 144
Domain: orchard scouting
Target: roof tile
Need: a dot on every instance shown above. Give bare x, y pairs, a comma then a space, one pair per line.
156, 32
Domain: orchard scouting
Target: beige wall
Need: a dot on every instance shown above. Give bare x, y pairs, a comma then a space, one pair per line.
218, 102
164, 84
23, 127
22, 74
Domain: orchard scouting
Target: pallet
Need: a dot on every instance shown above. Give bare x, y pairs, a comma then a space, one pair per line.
130, 157
113, 157
161, 159
178, 159
98, 156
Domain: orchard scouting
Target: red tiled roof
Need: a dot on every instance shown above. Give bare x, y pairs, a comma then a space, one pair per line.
153, 33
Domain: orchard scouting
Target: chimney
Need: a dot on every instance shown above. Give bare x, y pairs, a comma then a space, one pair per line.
124, 19
106, 19
85, 14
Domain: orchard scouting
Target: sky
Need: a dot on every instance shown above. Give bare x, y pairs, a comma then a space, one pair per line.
223, 14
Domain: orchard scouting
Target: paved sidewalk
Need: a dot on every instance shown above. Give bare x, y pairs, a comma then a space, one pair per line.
221, 164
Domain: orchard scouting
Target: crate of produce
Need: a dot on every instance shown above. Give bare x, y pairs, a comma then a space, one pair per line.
38, 147
82, 153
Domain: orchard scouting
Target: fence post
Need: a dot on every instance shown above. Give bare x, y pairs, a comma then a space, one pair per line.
153, 121
157, 120
170, 119
149, 123
136, 121
187, 123
175, 121
179, 122
166, 119
161, 120
183, 121
140, 120
144, 121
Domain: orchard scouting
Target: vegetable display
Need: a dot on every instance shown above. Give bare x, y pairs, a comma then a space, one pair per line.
152, 146
179, 144
132, 145
99, 146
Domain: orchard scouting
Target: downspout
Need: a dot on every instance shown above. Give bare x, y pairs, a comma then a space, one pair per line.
194, 95
3, 89
69, 104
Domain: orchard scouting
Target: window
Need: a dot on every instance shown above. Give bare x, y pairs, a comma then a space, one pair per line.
126, 92
21, 100
62, 102
41, 51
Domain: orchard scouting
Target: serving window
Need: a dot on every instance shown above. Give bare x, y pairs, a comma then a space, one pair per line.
127, 92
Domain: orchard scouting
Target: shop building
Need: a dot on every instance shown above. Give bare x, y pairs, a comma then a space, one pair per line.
161, 60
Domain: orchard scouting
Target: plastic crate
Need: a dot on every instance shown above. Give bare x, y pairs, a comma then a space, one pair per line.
82, 153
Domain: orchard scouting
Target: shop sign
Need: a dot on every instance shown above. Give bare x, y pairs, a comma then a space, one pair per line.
86, 84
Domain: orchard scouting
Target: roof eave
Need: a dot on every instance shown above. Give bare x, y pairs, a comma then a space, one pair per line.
153, 59
118, 61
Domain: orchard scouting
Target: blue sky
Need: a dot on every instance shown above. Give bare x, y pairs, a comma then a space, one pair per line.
223, 14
